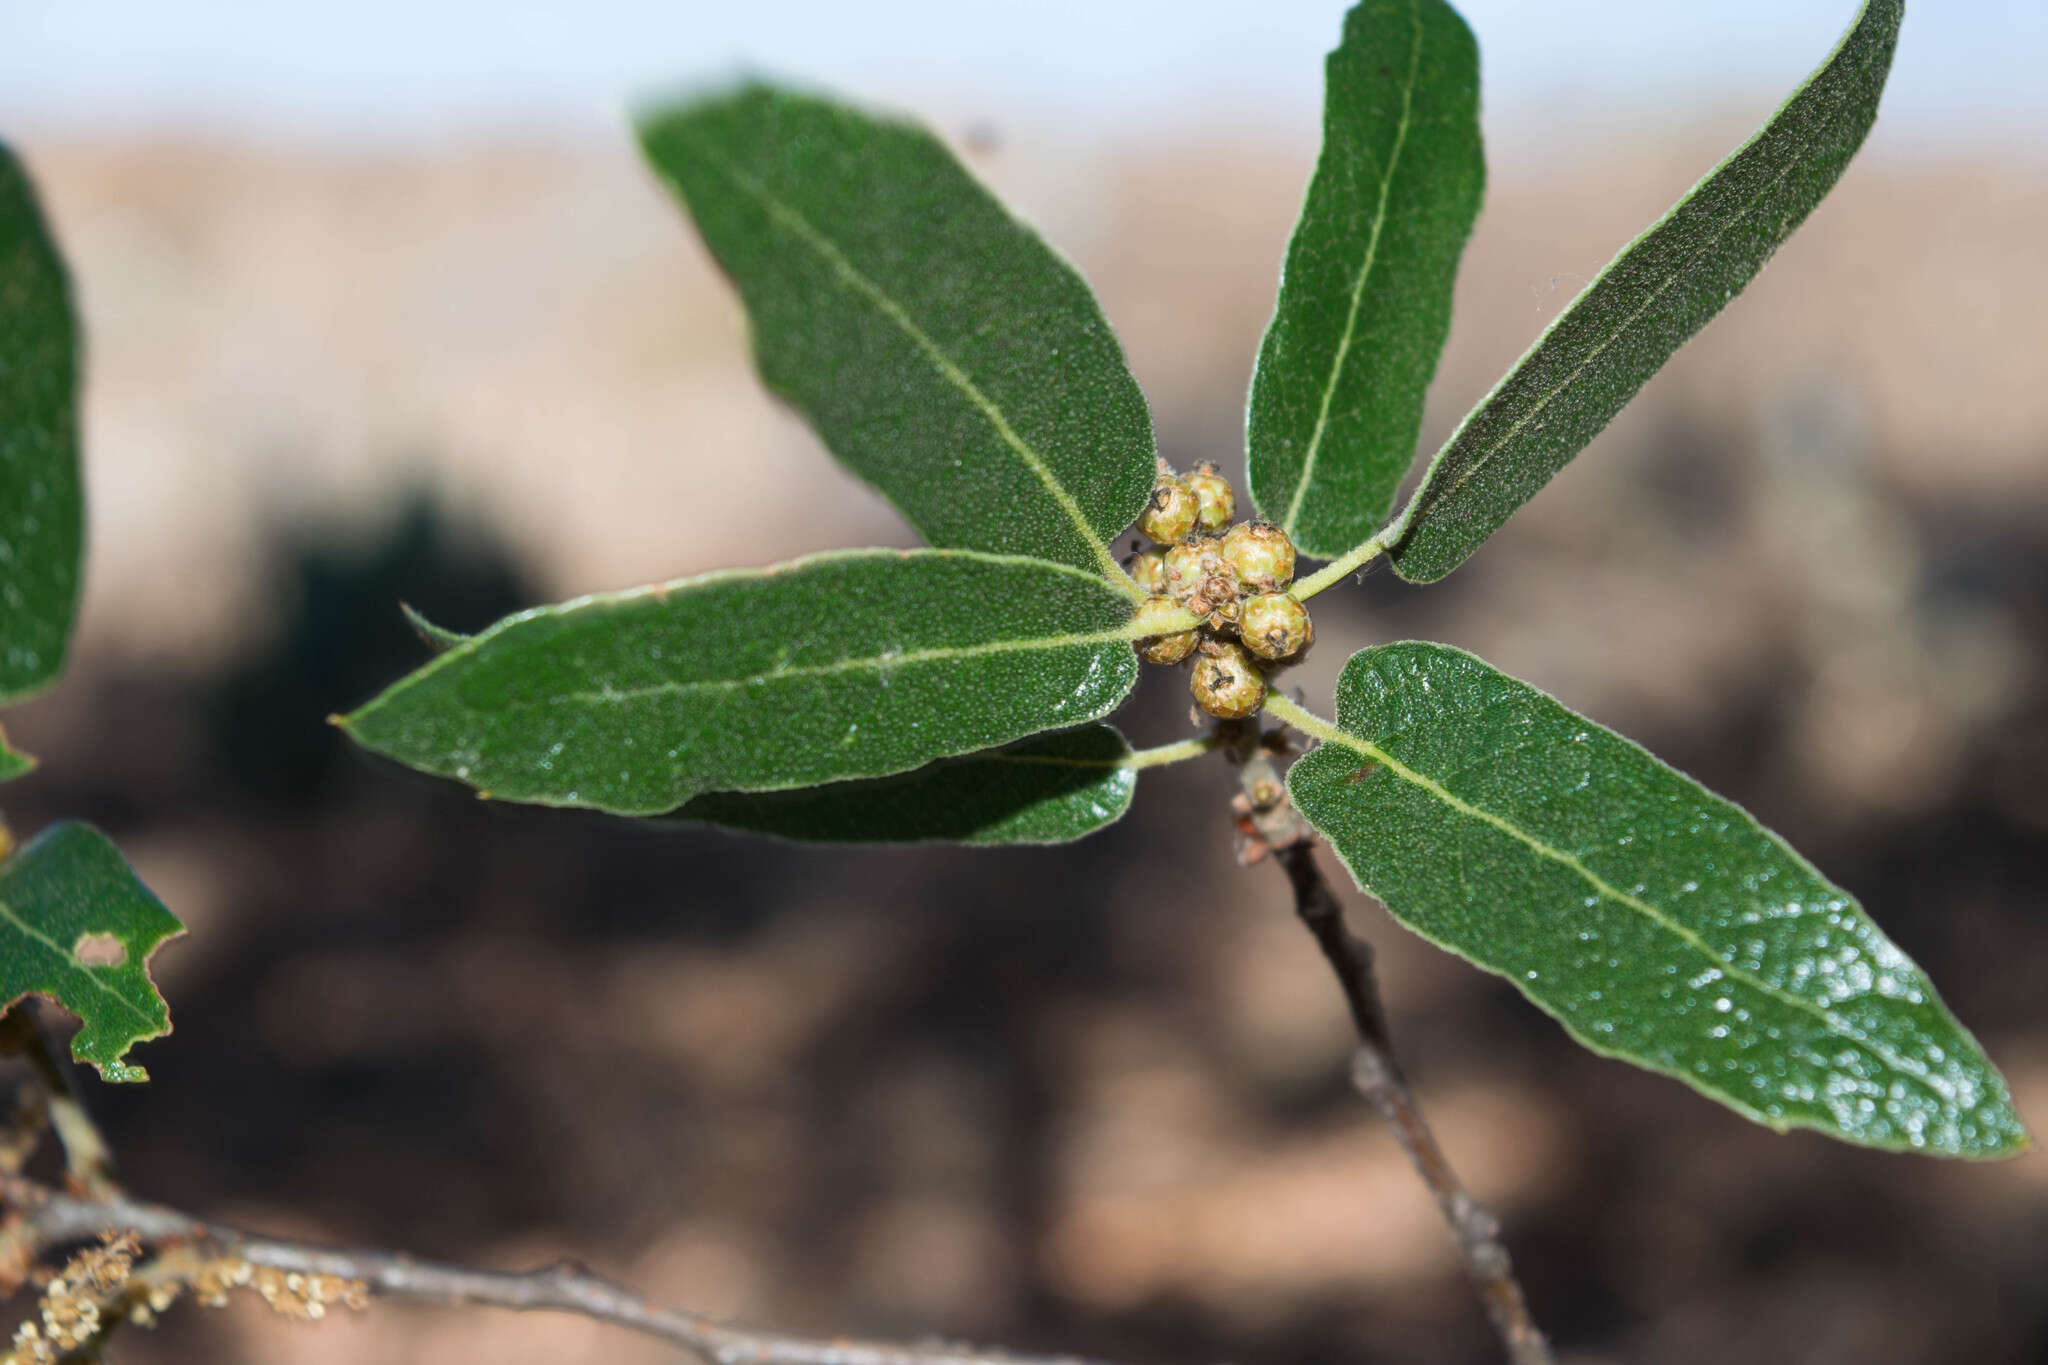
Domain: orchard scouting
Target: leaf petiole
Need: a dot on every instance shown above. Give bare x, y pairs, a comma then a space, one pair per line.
1308, 722
1164, 754
1337, 570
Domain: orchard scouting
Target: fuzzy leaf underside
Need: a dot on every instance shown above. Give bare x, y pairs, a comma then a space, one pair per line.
42, 515
1049, 789
1659, 923
1365, 294
941, 350
1650, 300
67, 886
840, 666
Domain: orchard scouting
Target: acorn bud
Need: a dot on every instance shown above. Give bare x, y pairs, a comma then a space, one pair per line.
1190, 565
1275, 626
1225, 683
1162, 649
1215, 500
1261, 554
1171, 514
1148, 570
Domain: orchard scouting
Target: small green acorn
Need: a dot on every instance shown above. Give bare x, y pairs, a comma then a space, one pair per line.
1225, 682
1261, 554
1215, 500
1190, 565
1169, 648
1148, 569
1274, 625
1171, 513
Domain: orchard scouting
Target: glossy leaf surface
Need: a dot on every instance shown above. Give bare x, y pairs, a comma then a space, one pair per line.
1656, 921
1049, 789
840, 666
1651, 299
1365, 296
42, 518
69, 889
942, 350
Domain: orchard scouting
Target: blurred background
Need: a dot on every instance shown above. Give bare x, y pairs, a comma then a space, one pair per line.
381, 307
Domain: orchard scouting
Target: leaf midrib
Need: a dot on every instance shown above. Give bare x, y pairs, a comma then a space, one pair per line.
1621, 329
72, 967
851, 275
1607, 891
1292, 521
936, 654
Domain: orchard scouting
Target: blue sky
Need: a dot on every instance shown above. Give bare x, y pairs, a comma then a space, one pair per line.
407, 69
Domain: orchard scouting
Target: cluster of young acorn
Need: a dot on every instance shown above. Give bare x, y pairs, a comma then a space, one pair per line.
1234, 577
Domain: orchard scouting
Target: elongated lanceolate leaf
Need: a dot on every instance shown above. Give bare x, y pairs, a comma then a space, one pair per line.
71, 889
1365, 297
840, 666
1049, 789
1656, 921
42, 518
942, 350
1662, 288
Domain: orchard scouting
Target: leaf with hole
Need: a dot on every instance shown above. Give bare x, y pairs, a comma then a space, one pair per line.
1656, 921
1365, 295
938, 346
42, 510
1049, 789
1650, 300
76, 926
840, 666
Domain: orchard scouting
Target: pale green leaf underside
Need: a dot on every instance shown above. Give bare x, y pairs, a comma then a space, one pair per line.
1365, 295
1659, 923
66, 886
42, 517
938, 346
1649, 301
841, 666
1049, 789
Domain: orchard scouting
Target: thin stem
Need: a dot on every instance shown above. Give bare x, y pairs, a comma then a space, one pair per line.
1164, 754
1281, 707
50, 1220
88, 1160
1337, 570
1282, 831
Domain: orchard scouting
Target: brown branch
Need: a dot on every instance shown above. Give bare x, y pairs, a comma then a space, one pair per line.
88, 1161
1273, 827
50, 1219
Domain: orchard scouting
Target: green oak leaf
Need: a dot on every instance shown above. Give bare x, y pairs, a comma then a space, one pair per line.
857, 664
1049, 789
1656, 921
1650, 300
67, 888
938, 346
13, 763
42, 511
1365, 295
